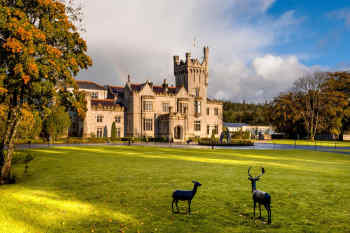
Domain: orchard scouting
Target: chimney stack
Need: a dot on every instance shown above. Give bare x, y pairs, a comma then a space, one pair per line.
188, 57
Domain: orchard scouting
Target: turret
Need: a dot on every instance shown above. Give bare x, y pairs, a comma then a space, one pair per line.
192, 74
176, 60
188, 58
206, 53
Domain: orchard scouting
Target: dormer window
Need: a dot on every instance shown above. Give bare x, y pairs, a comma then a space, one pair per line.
165, 107
94, 95
147, 106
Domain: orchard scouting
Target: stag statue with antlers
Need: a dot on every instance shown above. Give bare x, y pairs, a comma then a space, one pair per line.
260, 197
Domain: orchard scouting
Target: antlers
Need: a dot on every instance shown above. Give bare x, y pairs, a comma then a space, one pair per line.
262, 172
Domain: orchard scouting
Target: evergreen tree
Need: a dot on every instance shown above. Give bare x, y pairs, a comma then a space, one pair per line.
113, 131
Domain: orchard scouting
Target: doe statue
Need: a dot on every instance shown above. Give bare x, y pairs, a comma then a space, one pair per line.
181, 195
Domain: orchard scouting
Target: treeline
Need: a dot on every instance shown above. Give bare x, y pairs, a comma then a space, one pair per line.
254, 114
316, 105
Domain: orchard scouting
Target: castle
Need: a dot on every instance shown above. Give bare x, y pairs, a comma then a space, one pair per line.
175, 112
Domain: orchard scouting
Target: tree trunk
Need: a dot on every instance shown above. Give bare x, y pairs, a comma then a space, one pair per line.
8, 141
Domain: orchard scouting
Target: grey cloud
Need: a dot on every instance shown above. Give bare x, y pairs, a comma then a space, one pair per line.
140, 37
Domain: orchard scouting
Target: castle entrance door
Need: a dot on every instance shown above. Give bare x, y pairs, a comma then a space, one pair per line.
178, 132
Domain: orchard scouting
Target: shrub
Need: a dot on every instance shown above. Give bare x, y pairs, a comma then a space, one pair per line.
98, 140
126, 139
22, 157
113, 131
208, 142
74, 140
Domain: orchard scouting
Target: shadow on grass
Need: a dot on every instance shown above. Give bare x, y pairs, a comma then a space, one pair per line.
86, 187
46, 211
231, 158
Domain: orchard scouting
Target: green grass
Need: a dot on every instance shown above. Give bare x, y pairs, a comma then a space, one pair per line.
128, 189
309, 142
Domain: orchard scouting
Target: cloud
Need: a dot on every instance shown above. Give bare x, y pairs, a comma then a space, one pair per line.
279, 68
341, 14
140, 37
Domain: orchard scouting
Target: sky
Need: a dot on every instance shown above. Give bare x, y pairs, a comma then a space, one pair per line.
258, 48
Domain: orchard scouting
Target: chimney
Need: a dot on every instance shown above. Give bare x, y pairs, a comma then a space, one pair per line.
165, 86
188, 57
176, 60
206, 53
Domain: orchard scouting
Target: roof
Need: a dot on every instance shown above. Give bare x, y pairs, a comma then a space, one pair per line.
136, 86
117, 89
214, 101
83, 84
173, 90
104, 102
160, 89
156, 89
234, 125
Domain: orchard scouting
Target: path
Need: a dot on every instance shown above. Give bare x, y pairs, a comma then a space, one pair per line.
257, 146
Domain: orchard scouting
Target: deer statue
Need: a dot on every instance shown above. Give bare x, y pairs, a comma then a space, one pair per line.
181, 195
260, 197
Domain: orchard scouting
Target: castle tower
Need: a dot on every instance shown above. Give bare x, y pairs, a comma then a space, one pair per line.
192, 74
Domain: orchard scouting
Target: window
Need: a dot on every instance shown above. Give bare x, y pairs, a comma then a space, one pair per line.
94, 95
129, 124
148, 124
208, 130
185, 107
197, 125
165, 107
216, 111
197, 106
147, 106
99, 118
216, 129
208, 111
99, 132
117, 119
118, 132
197, 92
182, 107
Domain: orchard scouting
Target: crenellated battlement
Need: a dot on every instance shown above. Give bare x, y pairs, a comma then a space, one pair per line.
194, 63
192, 73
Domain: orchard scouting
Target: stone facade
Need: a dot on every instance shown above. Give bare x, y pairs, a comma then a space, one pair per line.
145, 110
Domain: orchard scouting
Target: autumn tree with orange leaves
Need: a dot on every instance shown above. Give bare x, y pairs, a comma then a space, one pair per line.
41, 51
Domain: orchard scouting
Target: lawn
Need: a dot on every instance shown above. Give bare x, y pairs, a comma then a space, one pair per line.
128, 189
309, 142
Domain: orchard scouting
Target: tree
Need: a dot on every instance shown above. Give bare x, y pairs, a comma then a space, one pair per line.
113, 131
338, 109
40, 52
57, 122
318, 103
310, 101
284, 115
31, 124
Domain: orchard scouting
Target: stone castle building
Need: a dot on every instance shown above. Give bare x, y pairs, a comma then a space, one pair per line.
175, 112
